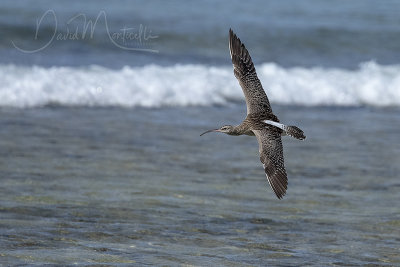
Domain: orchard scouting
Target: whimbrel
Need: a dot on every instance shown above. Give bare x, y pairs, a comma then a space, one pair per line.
260, 121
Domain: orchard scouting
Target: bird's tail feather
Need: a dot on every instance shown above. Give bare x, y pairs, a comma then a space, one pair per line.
295, 132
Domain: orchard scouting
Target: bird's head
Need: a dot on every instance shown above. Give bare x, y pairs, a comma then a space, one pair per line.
228, 129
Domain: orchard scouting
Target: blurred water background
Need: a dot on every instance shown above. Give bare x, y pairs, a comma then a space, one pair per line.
102, 104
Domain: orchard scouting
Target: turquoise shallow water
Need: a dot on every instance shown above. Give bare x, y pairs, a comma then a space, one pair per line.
139, 187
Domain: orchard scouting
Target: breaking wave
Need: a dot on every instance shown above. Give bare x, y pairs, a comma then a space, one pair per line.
186, 85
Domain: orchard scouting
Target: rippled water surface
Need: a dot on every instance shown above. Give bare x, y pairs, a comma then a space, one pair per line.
125, 179
139, 187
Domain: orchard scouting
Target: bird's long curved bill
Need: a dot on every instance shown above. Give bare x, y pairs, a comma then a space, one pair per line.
209, 131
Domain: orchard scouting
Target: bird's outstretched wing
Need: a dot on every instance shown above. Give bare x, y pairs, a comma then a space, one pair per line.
243, 68
271, 156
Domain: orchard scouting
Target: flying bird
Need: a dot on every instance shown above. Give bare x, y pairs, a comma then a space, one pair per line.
260, 120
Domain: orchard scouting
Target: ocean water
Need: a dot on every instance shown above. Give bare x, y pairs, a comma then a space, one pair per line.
102, 104
132, 187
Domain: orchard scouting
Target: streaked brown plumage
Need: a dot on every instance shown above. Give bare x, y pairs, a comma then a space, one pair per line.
260, 120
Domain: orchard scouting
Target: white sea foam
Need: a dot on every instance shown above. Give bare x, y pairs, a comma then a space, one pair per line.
184, 85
